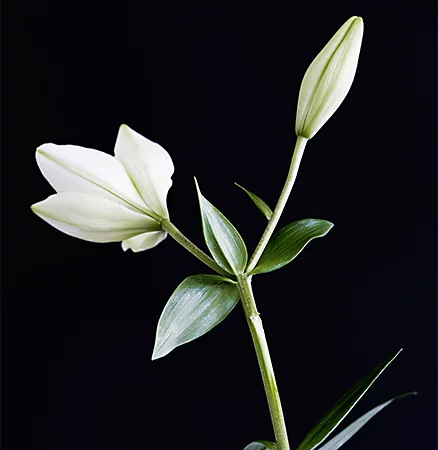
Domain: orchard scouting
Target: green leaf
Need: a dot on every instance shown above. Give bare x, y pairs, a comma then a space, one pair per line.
223, 240
198, 304
340, 410
352, 429
287, 243
264, 208
261, 445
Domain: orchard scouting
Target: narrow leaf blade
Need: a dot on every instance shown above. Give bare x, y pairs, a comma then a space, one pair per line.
341, 409
352, 429
287, 243
261, 205
223, 240
198, 304
261, 445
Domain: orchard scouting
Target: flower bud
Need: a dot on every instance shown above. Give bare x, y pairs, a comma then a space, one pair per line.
329, 78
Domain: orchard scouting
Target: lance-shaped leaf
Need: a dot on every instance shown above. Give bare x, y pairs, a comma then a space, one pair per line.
261, 205
352, 429
198, 304
261, 445
223, 240
287, 243
340, 410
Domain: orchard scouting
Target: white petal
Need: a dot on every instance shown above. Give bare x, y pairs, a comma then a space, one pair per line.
149, 166
144, 241
92, 218
69, 168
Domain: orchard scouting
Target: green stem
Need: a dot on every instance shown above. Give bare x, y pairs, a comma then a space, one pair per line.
247, 297
264, 359
168, 226
290, 180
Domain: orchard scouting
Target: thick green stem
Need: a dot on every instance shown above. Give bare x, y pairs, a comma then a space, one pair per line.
168, 226
264, 359
292, 175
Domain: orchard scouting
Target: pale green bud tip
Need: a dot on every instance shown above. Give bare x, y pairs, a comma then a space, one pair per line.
329, 78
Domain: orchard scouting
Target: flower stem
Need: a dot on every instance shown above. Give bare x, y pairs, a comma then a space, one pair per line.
247, 296
288, 185
168, 226
264, 359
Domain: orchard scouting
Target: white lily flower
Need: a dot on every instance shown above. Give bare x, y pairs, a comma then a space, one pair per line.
101, 198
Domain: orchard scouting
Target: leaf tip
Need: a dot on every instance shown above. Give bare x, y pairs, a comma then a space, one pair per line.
329, 226
407, 394
160, 349
392, 358
157, 353
197, 188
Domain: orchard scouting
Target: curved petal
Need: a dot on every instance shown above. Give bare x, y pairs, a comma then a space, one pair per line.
144, 241
92, 218
149, 166
70, 168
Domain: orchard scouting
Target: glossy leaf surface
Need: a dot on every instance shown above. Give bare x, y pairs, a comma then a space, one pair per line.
198, 304
352, 429
223, 240
261, 205
340, 410
261, 445
287, 243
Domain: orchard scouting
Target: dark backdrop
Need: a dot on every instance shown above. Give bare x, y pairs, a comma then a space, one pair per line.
216, 84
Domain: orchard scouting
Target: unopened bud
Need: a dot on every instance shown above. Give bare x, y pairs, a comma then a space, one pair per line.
329, 78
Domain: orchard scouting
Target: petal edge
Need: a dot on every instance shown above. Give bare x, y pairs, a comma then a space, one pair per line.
144, 241
71, 168
92, 218
148, 165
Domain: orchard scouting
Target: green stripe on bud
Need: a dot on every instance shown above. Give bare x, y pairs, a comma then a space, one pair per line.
329, 78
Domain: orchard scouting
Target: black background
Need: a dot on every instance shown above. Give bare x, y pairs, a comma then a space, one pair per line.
216, 84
